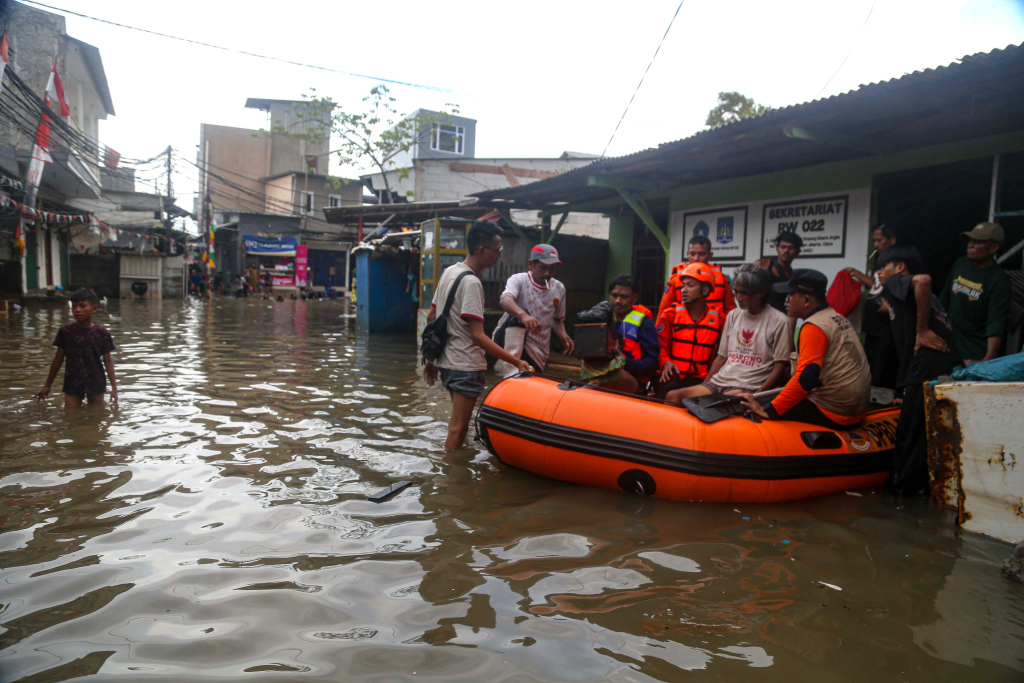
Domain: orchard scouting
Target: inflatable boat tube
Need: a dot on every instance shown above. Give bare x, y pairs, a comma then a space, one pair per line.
596, 437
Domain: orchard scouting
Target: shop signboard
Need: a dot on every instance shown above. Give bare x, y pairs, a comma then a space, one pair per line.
725, 228
301, 263
269, 246
820, 223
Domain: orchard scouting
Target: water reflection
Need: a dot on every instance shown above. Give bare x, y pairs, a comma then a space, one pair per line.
215, 525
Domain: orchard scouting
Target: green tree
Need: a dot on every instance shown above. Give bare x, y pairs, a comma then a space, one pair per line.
733, 106
377, 135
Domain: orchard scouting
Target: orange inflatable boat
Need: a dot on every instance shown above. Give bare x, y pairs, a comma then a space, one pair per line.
569, 431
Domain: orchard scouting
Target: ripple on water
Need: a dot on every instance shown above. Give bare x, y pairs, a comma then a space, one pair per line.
215, 525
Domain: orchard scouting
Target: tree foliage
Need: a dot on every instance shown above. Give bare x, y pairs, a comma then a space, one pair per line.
375, 136
733, 106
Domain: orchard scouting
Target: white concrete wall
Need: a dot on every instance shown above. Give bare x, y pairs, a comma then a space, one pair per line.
856, 243
434, 180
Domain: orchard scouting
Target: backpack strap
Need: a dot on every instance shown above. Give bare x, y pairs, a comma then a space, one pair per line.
453, 292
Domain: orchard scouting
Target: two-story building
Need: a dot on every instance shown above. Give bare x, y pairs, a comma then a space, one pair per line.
273, 183
38, 39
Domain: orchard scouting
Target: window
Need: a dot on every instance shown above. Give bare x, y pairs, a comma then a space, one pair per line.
334, 200
447, 138
307, 202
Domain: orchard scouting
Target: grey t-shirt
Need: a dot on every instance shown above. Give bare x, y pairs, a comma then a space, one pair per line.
751, 344
461, 353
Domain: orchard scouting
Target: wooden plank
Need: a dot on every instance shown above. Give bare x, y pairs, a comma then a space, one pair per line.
463, 167
510, 175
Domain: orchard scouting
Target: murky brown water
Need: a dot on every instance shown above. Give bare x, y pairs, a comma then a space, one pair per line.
215, 527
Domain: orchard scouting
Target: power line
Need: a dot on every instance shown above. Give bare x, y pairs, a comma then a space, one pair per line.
852, 48
653, 57
245, 52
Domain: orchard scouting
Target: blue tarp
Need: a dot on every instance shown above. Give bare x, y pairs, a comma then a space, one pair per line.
269, 246
1005, 369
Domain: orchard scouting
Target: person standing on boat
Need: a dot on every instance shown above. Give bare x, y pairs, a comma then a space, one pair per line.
756, 342
463, 362
924, 343
688, 333
878, 343
831, 386
780, 266
537, 300
699, 251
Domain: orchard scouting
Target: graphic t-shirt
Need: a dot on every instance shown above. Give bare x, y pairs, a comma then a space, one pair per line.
546, 304
751, 344
926, 364
84, 348
978, 302
461, 353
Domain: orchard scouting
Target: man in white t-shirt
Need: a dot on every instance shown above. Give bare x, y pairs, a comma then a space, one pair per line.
462, 364
756, 342
537, 299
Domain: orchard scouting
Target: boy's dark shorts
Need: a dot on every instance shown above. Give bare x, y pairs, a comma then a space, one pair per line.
470, 384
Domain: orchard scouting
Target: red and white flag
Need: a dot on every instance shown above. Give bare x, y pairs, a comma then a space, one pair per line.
55, 90
4, 56
111, 157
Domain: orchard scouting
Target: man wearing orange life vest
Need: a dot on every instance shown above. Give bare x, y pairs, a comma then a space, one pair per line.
699, 251
831, 386
688, 332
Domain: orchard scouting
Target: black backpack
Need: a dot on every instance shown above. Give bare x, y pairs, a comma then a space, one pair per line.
435, 334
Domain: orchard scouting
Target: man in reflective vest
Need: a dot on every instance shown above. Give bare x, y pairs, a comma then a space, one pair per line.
699, 251
639, 336
831, 385
688, 332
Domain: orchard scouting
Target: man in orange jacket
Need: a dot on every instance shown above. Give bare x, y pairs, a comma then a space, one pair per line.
688, 332
699, 251
831, 385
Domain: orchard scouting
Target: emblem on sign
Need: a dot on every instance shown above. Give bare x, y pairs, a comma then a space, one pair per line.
724, 234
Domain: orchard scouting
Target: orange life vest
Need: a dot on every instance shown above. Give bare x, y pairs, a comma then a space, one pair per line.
694, 343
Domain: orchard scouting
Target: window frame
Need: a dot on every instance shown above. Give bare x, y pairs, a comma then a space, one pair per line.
331, 199
459, 134
307, 200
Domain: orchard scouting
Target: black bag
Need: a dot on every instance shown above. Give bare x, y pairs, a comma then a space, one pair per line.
435, 334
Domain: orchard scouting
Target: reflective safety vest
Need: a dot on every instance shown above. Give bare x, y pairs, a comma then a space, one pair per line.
630, 329
694, 343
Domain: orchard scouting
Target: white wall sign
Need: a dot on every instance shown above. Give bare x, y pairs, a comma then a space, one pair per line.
726, 228
820, 222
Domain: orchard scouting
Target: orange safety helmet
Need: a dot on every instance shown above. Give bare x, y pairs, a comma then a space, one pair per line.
701, 272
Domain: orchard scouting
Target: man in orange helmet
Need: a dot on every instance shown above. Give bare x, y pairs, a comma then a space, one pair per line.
688, 332
699, 251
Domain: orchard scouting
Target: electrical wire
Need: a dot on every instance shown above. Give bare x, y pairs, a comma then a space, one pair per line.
653, 57
245, 52
852, 48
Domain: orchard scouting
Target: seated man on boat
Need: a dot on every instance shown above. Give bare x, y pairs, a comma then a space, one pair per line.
756, 343
699, 251
688, 332
831, 385
537, 300
638, 335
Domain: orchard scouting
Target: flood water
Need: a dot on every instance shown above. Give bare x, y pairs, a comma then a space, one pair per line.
215, 526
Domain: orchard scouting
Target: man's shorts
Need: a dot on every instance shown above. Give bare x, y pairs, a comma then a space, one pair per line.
469, 384
719, 389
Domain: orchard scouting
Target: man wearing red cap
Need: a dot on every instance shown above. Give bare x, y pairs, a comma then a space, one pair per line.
537, 300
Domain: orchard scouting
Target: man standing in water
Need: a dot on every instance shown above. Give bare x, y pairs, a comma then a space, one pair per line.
462, 364
537, 299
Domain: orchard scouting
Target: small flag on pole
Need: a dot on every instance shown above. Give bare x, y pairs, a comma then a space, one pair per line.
55, 90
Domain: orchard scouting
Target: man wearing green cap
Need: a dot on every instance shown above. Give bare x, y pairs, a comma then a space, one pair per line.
977, 295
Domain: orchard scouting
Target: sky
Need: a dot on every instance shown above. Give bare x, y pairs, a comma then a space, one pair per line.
540, 77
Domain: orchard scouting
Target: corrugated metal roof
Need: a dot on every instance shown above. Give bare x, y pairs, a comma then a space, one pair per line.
975, 96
